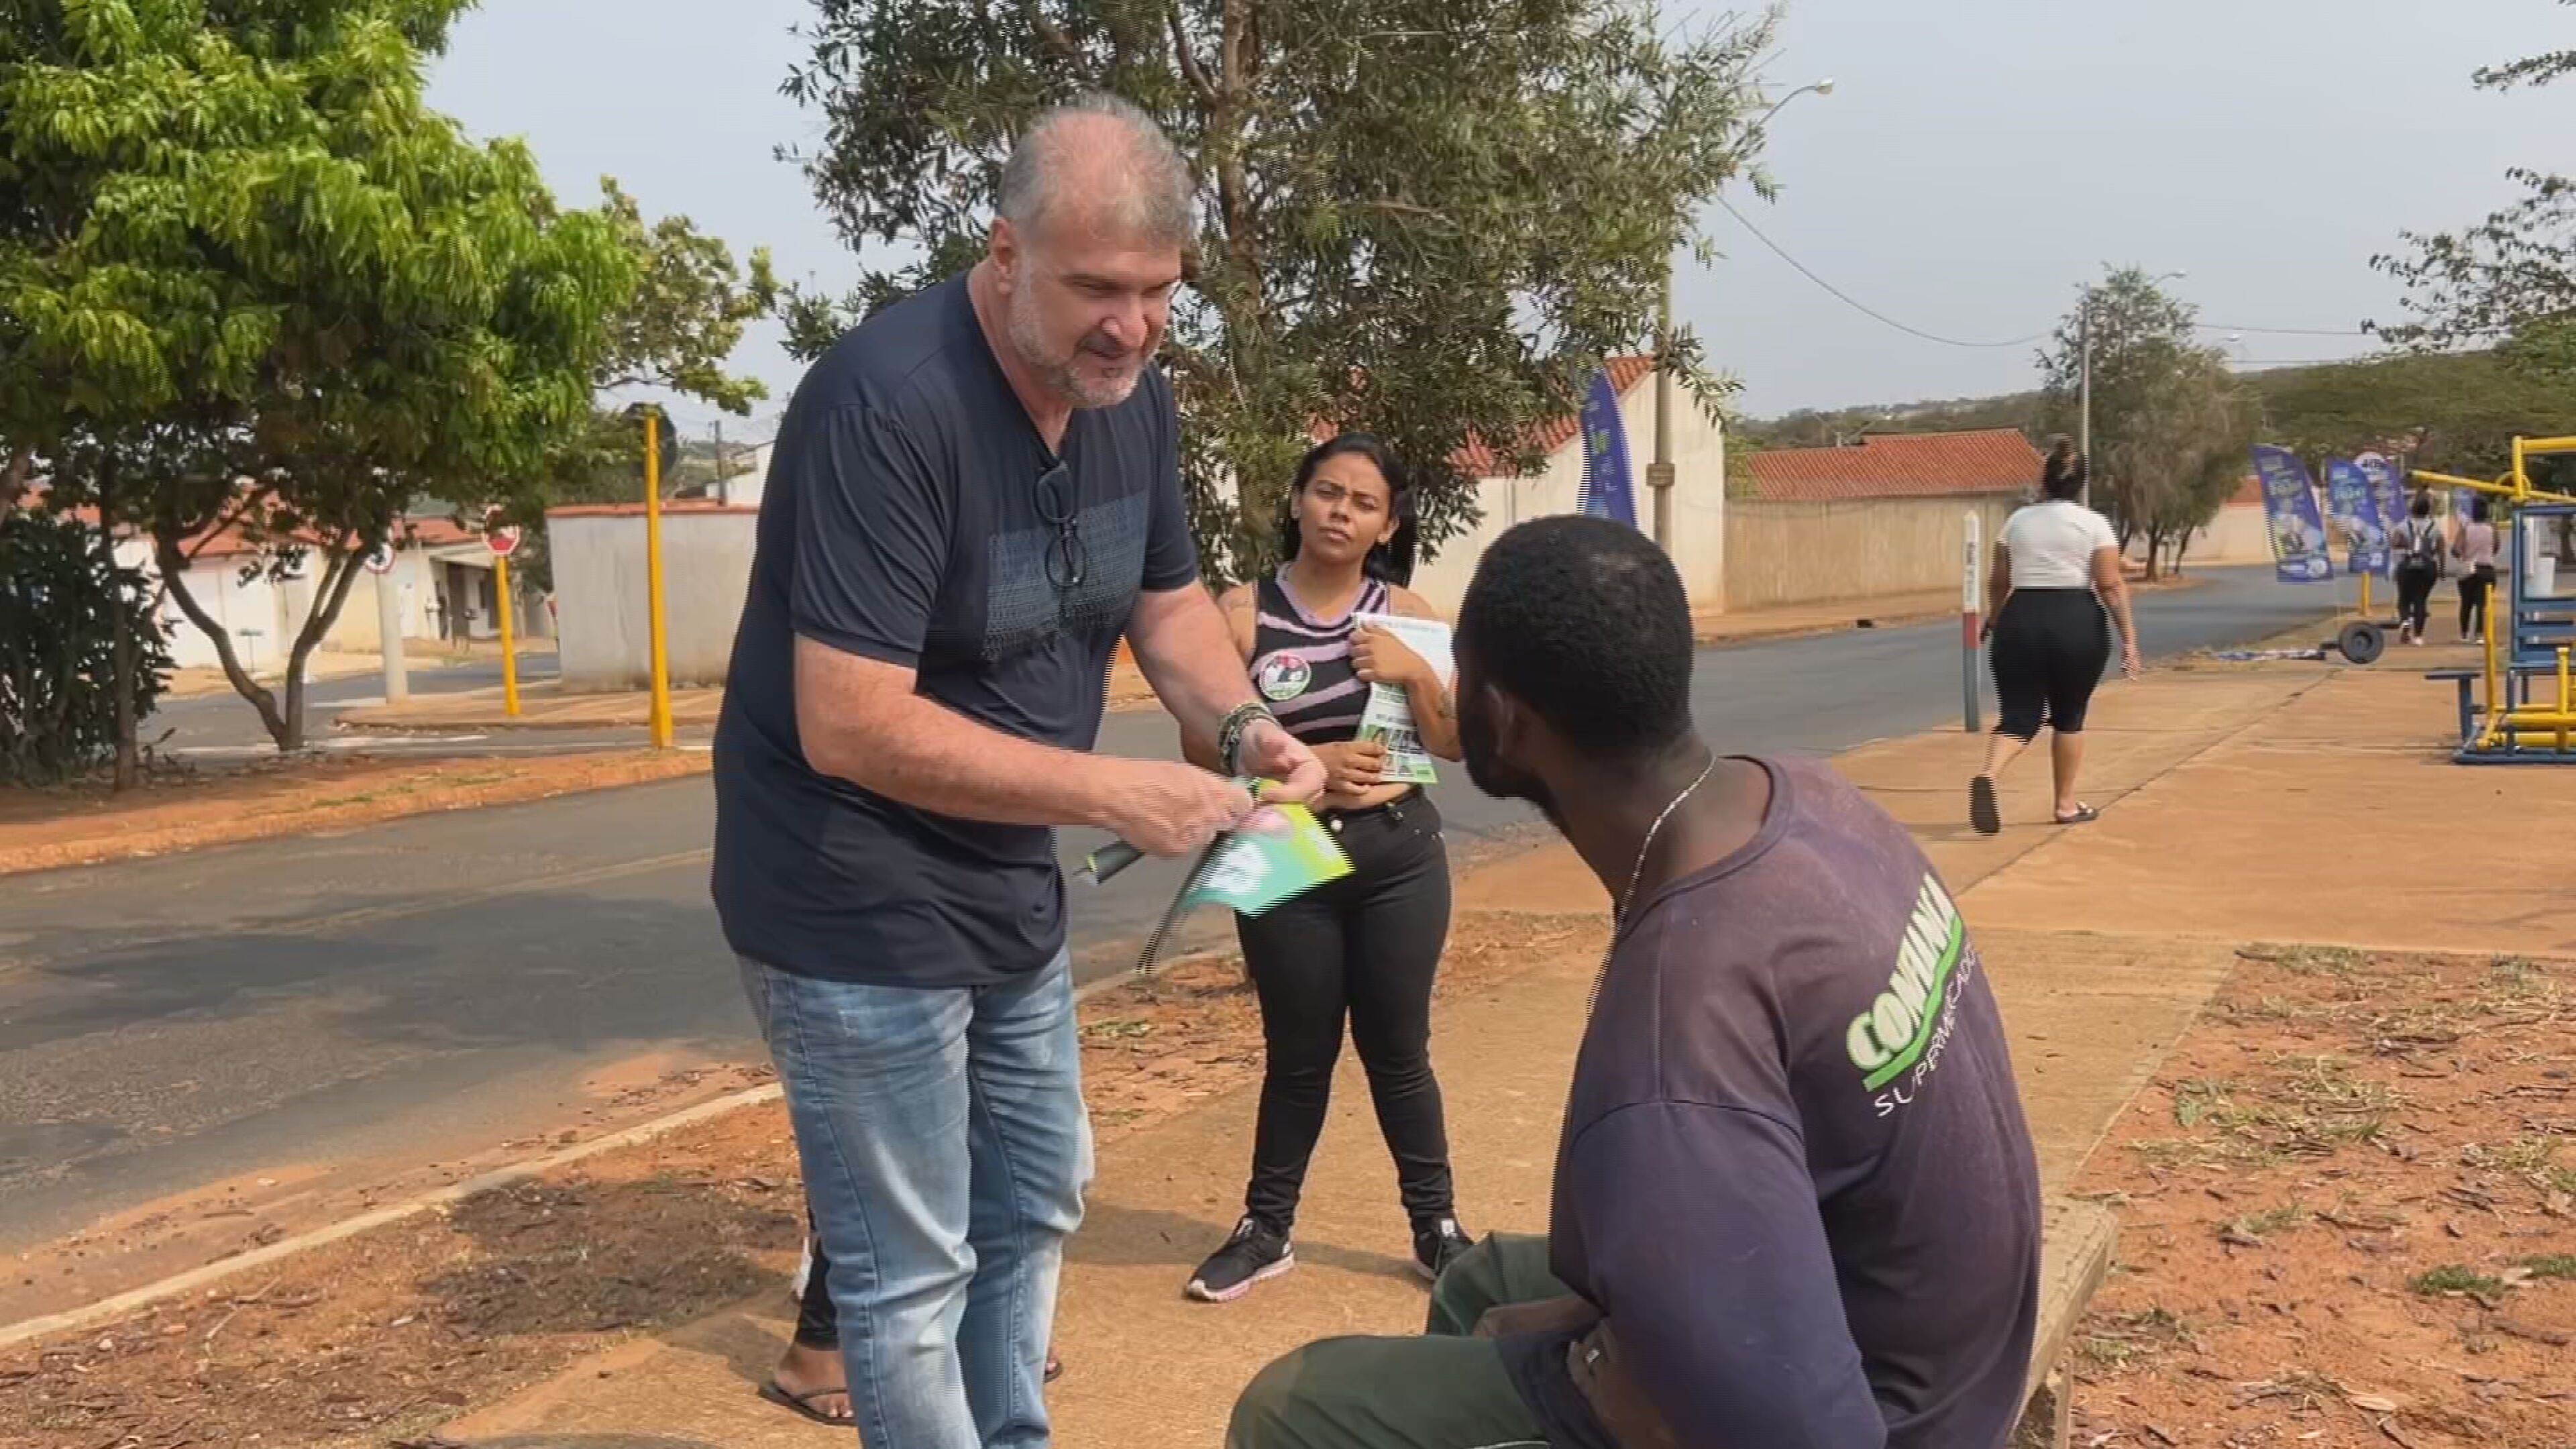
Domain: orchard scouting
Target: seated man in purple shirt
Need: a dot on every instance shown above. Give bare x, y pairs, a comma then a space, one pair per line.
1795, 1202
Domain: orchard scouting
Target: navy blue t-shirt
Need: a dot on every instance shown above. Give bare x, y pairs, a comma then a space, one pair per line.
903, 522
1794, 1170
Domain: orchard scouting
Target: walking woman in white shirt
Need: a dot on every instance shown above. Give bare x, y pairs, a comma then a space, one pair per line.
2056, 576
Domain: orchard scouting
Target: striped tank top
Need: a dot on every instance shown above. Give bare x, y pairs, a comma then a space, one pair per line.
1302, 665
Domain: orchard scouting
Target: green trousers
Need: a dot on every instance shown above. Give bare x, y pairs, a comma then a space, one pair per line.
1443, 1390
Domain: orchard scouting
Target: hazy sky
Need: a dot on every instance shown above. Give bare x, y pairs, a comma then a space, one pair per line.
1977, 159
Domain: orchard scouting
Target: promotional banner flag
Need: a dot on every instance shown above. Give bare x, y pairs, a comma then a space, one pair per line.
2387, 489
2356, 517
1606, 490
2290, 513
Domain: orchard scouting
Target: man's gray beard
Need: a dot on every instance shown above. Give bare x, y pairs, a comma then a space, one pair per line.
1062, 376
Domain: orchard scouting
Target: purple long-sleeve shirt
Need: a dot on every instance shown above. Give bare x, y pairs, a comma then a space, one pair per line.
1794, 1169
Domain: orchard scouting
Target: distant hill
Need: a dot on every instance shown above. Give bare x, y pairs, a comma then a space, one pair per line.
2467, 405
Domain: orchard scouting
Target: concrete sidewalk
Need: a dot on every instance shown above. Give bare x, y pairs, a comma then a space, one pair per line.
2103, 942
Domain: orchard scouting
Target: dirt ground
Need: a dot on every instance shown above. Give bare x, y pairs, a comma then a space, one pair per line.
180, 808
377, 1339
2348, 1214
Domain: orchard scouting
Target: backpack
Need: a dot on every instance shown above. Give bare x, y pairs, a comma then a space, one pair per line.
2423, 547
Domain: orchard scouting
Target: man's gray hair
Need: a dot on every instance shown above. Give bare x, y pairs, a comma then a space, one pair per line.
1148, 190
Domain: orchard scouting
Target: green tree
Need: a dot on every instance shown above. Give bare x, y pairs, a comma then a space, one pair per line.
1428, 218
249, 280
2158, 411
2508, 281
2455, 412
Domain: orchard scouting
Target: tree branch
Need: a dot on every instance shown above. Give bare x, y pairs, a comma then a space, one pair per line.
1191, 69
174, 566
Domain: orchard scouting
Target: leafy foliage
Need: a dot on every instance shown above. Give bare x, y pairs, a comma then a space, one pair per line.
2170, 429
2508, 281
1427, 218
236, 245
60, 598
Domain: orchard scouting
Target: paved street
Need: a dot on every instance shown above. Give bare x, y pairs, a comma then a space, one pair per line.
443, 984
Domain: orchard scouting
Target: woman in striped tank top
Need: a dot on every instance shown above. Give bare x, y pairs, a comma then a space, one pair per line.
1367, 946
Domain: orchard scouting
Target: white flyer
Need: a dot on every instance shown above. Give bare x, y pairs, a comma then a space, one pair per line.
1389, 716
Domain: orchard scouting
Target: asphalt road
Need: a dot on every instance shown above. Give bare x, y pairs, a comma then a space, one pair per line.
432, 984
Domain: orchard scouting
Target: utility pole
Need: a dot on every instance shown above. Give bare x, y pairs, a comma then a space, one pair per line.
1659, 474
724, 484
2084, 393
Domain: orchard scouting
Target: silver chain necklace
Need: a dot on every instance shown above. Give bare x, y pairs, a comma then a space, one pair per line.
1636, 873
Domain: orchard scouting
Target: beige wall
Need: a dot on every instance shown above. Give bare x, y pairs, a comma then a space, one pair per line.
1798, 553
2236, 536
601, 619
1699, 502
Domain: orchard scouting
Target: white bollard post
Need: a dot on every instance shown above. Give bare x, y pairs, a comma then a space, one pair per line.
1971, 626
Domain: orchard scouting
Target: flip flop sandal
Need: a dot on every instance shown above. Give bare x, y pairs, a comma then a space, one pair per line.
802, 1405
1054, 1368
1984, 811
2084, 814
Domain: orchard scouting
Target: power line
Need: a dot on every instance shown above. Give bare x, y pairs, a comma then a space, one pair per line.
1857, 305
2282, 331
1848, 300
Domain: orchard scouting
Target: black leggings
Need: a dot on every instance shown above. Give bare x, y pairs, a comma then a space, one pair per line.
2050, 648
1366, 947
2475, 585
816, 1327
2415, 596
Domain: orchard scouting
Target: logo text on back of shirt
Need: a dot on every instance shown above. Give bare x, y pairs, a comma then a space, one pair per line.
1900, 1024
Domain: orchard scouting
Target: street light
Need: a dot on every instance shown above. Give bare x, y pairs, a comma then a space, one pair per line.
1659, 474
2084, 378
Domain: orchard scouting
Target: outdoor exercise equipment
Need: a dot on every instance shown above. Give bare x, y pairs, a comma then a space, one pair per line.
2530, 628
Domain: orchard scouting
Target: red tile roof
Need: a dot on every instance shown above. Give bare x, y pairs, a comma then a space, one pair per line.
1899, 465
1479, 461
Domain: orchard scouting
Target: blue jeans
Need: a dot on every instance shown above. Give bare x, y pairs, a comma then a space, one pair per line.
946, 1150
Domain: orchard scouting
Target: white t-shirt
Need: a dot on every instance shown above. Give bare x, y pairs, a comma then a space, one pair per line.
2052, 544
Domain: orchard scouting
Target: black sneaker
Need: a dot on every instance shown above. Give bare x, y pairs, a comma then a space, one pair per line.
1253, 1254
1438, 1244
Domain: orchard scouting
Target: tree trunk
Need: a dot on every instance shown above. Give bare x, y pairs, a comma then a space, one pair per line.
174, 568
338, 576
127, 768
13, 478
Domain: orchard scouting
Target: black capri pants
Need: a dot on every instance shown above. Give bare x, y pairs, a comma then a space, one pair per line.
2050, 648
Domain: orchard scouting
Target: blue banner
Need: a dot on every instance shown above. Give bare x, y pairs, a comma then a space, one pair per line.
2356, 517
2388, 490
1606, 486
2290, 509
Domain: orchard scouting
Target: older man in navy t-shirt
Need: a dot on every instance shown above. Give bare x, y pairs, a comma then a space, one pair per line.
1795, 1200
973, 497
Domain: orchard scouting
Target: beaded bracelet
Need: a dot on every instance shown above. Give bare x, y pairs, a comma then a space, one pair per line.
1230, 733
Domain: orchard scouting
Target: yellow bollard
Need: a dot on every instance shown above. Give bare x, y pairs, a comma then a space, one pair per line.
509, 647
2564, 702
2496, 706
661, 711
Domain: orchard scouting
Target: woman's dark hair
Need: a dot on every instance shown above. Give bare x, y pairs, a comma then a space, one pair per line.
2063, 475
1391, 561
2422, 507
2477, 510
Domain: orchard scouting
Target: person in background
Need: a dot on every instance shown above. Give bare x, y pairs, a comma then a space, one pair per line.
2419, 547
809, 1378
2475, 548
1365, 948
2056, 575
1795, 1201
